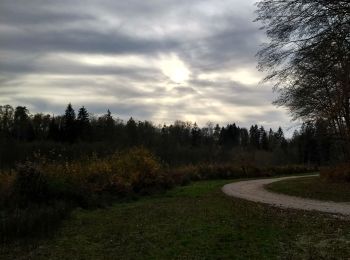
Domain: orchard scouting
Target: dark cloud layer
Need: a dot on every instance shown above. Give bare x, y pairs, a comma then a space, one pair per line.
156, 60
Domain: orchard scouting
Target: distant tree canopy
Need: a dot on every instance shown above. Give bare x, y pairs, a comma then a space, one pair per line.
23, 134
308, 58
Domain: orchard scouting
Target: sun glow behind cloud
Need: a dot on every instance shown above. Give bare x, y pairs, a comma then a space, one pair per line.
174, 68
153, 60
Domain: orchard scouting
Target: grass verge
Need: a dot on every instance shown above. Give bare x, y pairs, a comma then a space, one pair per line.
191, 222
314, 188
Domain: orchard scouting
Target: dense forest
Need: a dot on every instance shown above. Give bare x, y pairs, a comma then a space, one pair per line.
76, 134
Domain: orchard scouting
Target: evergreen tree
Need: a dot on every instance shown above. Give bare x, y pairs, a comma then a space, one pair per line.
54, 130
195, 135
254, 137
234, 134
106, 127
264, 141
109, 122
244, 137
279, 134
83, 116
131, 130
69, 122
272, 140
83, 124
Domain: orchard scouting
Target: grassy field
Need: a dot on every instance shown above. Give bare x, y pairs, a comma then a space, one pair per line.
191, 222
313, 187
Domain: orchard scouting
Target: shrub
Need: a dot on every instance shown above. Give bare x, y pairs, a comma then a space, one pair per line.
30, 183
141, 170
290, 169
232, 171
183, 175
339, 173
6, 188
133, 171
44, 191
33, 220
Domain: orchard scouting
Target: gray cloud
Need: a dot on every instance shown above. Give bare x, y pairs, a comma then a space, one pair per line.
82, 40
73, 68
38, 37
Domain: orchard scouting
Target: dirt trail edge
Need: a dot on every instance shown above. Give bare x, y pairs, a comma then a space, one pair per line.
253, 190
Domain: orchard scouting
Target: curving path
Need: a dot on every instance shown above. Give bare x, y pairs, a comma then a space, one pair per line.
254, 190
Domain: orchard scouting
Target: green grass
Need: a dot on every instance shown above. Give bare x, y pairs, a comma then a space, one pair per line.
192, 222
313, 187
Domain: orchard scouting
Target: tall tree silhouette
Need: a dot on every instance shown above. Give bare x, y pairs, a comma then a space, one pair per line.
83, 124
22, 127
54, 130
195, 135
69, 126
264, 140
244, 137
254, 136
216, 134
308, 56
6, 119
107, 126
41, 124
132, 134
109, 122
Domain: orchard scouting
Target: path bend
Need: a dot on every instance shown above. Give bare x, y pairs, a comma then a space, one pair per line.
253, 190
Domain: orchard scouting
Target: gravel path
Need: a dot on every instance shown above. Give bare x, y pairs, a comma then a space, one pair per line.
254, 190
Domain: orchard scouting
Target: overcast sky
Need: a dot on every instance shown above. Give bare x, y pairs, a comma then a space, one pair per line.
158, 60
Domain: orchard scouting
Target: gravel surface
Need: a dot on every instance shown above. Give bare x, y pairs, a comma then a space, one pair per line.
254, 190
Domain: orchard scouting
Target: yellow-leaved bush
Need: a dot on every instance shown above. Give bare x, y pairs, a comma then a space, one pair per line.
123, 173
134, 171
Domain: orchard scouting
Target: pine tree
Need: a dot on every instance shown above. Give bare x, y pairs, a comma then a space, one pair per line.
108, 128
195, 135
83, 115
254, 136
234, 132
279, 134
244, 137
69, 124
131, 129
109, 122
83, 124
54, 130
264, 141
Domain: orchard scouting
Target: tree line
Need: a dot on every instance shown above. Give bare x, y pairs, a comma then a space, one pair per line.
177, 143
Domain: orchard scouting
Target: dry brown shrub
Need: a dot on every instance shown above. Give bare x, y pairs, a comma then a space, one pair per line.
339, 173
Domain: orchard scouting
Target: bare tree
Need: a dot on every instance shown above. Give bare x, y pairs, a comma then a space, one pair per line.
308, 59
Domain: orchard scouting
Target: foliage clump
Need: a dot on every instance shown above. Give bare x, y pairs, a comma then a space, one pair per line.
37, 195
340, 173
